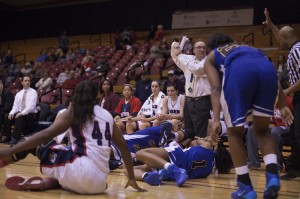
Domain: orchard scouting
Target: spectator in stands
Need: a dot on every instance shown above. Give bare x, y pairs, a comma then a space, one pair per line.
197, 88
45, 83
151, 108
157, 51
258, 80
125, 36
33, 79
38, 71
172, 78
127, 108
6, 103
159, 33
42, 57
172, 107
63, 76
289, 40
87, 60
151, 32
71, 56
80, 72
63, 42
143, 87
277, 131
140, 62
8, 58
61, 57
23, 113
118, 40
52, 57
108, 99
71, 82
26, 69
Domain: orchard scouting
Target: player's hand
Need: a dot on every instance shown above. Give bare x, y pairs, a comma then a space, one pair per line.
287, 116
268, 21
134, 185
4, 152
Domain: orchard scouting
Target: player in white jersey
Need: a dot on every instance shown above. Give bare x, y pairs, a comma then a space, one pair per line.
83, 167
172, 107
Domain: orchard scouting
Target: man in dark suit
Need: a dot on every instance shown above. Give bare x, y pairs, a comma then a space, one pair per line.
6, 103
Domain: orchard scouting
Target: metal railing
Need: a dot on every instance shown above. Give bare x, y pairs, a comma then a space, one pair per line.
23, 58
251, 41
94, 38
267, 30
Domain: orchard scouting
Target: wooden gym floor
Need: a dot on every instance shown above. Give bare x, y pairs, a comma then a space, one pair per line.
215, 186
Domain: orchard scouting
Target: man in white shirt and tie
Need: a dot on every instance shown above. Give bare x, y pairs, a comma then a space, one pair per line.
197, 88
23, 113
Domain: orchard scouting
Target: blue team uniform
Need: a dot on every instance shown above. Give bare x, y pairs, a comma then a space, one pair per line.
249, 83
141, 139
197, 160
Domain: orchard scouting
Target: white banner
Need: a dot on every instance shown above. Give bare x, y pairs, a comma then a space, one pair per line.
212, 18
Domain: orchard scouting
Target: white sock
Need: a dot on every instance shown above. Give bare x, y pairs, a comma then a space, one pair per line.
241, 170
144, 175
270, 159
167, 165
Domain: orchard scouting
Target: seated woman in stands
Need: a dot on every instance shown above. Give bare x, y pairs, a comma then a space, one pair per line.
108, 99
149, 111
127, 108
172, 107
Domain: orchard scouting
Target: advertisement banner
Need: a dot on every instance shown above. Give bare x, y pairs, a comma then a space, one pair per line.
212, 18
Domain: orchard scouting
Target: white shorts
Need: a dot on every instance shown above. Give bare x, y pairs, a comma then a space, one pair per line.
80, 176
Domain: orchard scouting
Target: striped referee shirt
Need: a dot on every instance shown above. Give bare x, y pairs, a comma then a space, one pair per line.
293, 63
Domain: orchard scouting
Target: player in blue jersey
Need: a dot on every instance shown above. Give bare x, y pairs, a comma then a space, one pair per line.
175, 163
146, 138
249, 86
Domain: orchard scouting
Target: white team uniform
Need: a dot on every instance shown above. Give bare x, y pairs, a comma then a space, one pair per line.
83, 167
174, 109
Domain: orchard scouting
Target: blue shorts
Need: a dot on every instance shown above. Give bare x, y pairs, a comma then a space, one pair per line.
249, 87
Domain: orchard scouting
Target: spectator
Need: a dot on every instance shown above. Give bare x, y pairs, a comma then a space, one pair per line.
26, 69
45, 83
143, 87
108, 100
172, 78
71, 82
159, 33
157, 51
6, 103
63, 42
63, 76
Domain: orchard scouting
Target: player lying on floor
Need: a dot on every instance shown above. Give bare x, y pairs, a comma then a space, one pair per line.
146, 138
176, 163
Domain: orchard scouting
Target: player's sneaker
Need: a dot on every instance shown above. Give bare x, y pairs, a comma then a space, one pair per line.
166, 134
164, 175
152, 178
178, 174
244, 192
272, 185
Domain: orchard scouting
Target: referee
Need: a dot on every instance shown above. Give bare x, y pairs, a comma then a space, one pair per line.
288, 40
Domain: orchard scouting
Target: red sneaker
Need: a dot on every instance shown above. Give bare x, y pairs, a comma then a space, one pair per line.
18, 183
